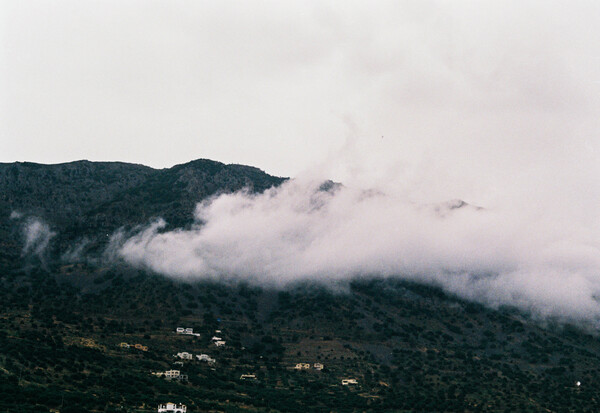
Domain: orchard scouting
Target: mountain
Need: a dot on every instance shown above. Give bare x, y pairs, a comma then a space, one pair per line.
87, 200
410, 347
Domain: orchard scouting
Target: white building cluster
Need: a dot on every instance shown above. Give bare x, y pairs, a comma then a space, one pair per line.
172, 408
306, 366
184, 355
218, 341
172, 375
186, 331
206, 358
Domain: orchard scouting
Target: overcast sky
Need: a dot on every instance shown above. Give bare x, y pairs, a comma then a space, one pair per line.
465, 98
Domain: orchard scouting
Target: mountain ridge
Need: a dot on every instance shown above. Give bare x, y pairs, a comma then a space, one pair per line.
86, 199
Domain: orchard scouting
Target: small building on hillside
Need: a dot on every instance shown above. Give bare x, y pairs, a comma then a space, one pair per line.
302, 366
175, 375
141, 347
186, 331
124, 345
184, 355
172, 408
318, 366
172, 374
248, 377
220, 343
348, 382
206, 358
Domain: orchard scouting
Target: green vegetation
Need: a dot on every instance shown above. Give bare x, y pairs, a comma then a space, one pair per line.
411, 347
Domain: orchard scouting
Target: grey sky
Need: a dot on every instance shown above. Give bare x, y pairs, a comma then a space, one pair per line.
469, 97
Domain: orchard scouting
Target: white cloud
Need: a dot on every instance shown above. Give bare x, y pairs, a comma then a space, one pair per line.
37, 237
295, 232
492, 102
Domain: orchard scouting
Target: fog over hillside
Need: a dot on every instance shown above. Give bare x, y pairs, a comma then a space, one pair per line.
356, 206
512, 254
408, 104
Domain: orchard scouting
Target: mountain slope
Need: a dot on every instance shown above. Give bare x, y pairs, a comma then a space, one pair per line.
91, 199
410, 347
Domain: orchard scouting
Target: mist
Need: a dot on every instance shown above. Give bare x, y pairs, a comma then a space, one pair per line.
512, 254
76, 252
37, 235
409, 104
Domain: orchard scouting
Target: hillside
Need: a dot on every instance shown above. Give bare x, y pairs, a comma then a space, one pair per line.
87, 200
410, 347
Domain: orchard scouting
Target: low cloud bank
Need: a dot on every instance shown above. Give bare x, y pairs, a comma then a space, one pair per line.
301, 231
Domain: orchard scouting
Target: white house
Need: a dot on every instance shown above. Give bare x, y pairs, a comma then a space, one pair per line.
172, 408
206, 358
215, 338
318, 366
172, 373
175, 375
220, 343
302, 366
185, 355
347, 382
248, 377
186, 331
